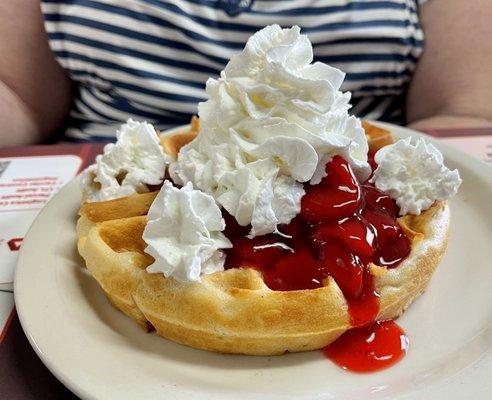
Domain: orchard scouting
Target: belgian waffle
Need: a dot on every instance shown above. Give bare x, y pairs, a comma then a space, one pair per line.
234, 311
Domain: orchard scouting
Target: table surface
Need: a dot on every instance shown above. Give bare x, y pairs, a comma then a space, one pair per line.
24, 377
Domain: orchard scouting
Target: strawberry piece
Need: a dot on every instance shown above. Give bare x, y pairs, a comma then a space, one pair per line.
325, 204
392, 245
346, 269
391, 255
337, 196
386, 228
295, 271
339, 174
355, 235
379, 201
256, 252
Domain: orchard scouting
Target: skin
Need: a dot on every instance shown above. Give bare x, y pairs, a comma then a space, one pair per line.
449, 88
35, 91
452, 83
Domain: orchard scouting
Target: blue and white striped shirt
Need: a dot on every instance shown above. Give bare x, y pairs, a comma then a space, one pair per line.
150, 59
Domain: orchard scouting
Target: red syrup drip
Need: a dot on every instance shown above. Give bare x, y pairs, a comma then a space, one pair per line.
342, 227
370, 348
364, 309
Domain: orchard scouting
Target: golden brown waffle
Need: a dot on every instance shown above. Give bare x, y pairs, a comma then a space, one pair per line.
234, 311
172, 144
376, 136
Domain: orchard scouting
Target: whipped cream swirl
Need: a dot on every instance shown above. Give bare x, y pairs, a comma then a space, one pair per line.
273, 120
184, 234
414, 175
127, 166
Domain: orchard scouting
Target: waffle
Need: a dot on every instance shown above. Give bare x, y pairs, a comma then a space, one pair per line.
234, 311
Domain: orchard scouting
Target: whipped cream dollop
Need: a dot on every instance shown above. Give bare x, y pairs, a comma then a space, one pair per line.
414, 175
127, 166
184, 234
273, 120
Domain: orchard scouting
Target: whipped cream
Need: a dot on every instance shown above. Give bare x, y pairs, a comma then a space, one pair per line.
273, 120
127, 166
184, 234
414, 175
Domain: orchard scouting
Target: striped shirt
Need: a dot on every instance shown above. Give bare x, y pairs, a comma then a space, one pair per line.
150, 59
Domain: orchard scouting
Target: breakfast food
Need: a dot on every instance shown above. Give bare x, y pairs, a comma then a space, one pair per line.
270, 231
135, 161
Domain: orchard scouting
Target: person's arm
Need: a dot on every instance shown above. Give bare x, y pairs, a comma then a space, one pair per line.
34, 89
452, 85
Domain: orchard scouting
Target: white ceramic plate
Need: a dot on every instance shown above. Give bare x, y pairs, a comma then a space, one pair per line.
100, 354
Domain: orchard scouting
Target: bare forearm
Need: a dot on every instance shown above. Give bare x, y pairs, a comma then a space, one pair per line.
17, 123
451, 85
35, 91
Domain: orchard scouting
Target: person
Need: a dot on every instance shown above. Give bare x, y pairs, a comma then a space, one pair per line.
82, 67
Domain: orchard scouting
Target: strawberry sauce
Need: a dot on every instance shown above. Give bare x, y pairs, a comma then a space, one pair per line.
342, 227
370, 348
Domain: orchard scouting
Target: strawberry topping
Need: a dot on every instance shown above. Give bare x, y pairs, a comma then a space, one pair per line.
342, 227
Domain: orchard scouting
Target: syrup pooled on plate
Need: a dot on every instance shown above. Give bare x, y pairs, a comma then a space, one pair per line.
369, 349
342, 227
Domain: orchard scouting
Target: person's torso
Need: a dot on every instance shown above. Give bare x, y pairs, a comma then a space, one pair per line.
150, 59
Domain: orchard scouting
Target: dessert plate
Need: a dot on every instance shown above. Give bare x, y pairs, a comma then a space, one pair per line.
99, 353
